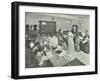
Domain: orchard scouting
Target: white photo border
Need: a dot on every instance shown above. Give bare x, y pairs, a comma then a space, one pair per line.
54, 70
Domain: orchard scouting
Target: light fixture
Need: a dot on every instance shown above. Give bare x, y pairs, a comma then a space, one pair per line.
43, 23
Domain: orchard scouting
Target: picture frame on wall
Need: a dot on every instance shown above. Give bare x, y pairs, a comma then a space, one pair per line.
52, 40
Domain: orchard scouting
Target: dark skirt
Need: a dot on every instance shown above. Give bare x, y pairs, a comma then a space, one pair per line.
85, 47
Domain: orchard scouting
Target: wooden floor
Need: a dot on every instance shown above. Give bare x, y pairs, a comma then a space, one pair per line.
80, 58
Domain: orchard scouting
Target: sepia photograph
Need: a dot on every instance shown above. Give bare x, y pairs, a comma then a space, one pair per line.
56, 40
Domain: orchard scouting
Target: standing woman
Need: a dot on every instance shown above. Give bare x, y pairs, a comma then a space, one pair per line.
70, 42
75, 31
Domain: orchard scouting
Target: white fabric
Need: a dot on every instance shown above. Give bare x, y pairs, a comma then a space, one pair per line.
70, 42
53, 41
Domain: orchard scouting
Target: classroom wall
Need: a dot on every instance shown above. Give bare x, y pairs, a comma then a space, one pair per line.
85, 24
63, 23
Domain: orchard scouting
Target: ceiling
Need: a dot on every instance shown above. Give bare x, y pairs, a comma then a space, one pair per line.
68, 16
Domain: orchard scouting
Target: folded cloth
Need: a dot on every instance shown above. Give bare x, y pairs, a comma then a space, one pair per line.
58, 61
